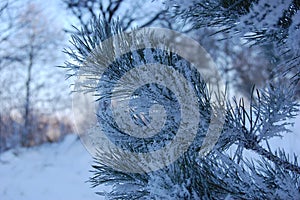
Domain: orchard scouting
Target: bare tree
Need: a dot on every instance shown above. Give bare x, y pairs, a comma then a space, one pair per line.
129, 13
7, 27
36, 40
30, 80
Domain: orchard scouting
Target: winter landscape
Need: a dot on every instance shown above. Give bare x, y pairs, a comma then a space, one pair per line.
162, 99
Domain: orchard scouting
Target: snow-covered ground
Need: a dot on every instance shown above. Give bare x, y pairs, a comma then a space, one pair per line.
60, 171
48, 172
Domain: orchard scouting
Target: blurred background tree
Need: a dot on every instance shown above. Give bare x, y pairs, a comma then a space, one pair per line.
129, 13
32, 88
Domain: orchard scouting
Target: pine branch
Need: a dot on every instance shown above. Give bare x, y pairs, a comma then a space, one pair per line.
275, 159
216, 176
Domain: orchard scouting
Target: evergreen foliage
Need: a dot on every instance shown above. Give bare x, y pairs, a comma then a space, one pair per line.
218, 175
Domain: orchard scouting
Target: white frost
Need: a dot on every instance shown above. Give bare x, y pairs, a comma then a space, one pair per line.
51, 171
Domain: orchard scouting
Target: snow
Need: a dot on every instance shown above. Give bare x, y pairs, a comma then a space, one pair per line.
51, 171
60, 171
